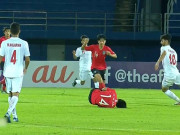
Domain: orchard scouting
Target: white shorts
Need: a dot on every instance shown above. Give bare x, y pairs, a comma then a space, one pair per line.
14, 84
83, 75
167, 82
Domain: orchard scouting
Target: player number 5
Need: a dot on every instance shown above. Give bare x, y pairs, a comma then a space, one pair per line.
13, 57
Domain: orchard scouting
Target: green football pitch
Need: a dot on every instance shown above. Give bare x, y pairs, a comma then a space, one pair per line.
60, 111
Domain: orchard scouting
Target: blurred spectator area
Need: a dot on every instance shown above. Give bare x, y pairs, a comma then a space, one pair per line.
132, 27
73, 17
172, 18
81, 22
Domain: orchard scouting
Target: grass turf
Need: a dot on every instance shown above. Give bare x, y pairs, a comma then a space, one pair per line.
58, 111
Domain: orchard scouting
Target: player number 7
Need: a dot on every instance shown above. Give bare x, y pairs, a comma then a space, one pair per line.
13, 57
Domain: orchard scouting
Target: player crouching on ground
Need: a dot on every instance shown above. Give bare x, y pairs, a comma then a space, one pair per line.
107, 98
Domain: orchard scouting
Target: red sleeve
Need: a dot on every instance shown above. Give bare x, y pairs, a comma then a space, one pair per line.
110, 50
109, 89
89, 48
94, 96
0, 42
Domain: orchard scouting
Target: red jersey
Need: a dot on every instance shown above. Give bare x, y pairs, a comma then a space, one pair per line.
106, 98
98, 56
1, 40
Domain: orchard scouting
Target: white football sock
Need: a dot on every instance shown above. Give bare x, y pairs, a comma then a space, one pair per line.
78, 82
12, 104
14, 113
14, 110
96, 85
9, 99
172, 95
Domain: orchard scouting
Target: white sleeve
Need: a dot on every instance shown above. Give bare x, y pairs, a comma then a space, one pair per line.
78, 52
2, 53
162, 49
26, 49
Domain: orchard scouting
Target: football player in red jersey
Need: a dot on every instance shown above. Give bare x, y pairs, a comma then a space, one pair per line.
6, 36
107, 99
99, 53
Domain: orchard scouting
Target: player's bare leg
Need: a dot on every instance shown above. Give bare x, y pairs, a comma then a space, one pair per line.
171, 95
82, 82
96, 83
100, 80
76, 81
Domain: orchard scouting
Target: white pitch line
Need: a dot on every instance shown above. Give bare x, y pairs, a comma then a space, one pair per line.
107, 129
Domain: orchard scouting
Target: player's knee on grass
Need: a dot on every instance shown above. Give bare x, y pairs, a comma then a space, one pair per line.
82, 82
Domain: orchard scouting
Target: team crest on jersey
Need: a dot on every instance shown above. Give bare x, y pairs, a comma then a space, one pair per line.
104, 52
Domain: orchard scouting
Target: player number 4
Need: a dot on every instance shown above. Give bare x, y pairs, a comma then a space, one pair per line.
172, 59
103, 102
13, 57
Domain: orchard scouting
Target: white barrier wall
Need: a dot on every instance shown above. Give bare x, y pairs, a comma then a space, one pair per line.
53, 74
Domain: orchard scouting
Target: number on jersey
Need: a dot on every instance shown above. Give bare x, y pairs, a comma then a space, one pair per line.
13, 57
172, 59
103, 102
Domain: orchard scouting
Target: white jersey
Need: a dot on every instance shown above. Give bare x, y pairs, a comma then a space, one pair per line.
14, 50
85, 60
169, 62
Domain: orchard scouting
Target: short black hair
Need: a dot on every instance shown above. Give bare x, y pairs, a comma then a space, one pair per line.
121, 103
6, 28
15, 28
100, 36
166, 37
83, 36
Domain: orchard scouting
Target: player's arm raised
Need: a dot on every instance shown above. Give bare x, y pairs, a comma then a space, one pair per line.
111, 55
74, 55
84, 43
83, 46
156, 67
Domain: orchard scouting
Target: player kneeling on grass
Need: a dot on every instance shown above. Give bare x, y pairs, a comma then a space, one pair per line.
106, 98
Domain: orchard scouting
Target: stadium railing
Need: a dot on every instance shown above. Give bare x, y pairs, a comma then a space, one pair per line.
79, 21
172, 23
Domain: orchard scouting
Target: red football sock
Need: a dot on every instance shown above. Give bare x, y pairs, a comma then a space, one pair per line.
4, 87
3, 81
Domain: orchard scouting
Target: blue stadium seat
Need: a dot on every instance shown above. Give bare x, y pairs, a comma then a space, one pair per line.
97, 9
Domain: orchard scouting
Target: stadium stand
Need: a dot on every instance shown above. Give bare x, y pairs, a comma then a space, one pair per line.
74, 17
172, 18
45, 23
